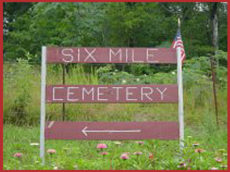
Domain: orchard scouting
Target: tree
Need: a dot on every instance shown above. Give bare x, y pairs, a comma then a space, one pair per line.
28, 26
214, 21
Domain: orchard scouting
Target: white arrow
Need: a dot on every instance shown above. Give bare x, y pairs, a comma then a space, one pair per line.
85, 131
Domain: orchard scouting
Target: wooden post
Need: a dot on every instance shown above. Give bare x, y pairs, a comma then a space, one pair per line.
180, 98
214, 90
63, 82
43, 105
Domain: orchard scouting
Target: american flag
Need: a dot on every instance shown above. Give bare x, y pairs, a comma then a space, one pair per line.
177, 42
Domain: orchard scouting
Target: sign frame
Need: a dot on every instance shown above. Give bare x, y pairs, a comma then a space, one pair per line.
43, 101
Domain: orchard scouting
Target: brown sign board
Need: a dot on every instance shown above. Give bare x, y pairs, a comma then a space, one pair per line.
110, 55
112, 94
111, 130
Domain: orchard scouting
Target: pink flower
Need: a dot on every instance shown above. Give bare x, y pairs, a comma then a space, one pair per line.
101, 146
18, 155
104, 153
199, 150
124, 156
182, 165
137, 153
218, 159
51, 151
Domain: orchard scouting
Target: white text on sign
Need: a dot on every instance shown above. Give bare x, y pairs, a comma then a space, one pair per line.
115, 93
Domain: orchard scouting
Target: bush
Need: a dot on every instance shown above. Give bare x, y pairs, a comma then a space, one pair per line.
22, 93
17, 84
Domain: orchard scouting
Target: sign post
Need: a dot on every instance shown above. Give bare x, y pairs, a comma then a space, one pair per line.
43, 105
180, 97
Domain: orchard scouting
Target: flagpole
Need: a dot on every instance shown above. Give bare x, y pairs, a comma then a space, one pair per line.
178, 20
180, 95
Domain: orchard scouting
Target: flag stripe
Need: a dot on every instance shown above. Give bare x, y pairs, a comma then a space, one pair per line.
177, 42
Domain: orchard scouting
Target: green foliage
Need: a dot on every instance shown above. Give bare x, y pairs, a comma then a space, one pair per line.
100, 24
23, 101
196, 71
19, 82
221, 70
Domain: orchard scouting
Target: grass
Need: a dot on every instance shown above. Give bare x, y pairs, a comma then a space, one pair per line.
84, 154
22, 108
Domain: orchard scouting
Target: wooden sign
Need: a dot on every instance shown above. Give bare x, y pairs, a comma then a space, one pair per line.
110, 55
111, 130
111, 93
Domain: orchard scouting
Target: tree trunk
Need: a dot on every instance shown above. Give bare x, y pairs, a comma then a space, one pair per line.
214, 21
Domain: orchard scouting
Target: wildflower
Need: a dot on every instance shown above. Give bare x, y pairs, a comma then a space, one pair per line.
51, 151
101, 146
151, 156
213, 168
104, 153
199, 150
140, 142
195, 144
75, 167
18, 155
34, 144
137, 153
182, 165
117, 143
124, 156
137, 79
218, 159
123, 81
55, 168
173, 73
